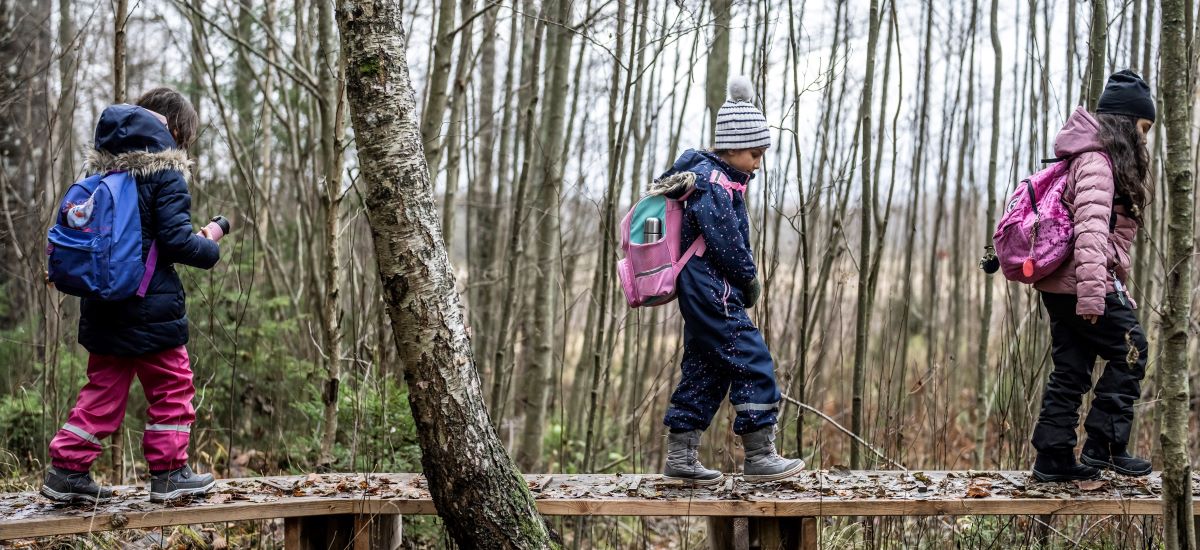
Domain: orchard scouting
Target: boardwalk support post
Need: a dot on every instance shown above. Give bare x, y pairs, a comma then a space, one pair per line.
356, 531
763, 533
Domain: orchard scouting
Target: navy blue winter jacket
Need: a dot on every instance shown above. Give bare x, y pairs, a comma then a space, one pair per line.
720, 215
132, 139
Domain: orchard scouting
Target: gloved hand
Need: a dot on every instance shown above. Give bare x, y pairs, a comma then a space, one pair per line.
752, 292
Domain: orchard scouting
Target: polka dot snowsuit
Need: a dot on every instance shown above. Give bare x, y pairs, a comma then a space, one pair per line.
723, 350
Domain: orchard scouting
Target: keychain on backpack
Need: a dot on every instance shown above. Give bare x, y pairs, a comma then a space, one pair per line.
78, 215
989, 263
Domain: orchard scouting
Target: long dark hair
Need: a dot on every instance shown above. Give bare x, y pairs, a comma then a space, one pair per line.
1130, 161
181, 116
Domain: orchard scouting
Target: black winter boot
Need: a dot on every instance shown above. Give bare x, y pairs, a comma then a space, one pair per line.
63, 485
1114, 457
179, 483
1051, 466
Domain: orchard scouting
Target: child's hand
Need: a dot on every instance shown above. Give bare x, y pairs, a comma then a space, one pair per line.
1091, 318
752, 292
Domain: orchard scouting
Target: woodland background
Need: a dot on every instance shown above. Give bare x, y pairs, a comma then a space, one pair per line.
537, 145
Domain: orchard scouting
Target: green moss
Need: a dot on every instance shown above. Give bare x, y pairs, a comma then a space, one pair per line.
370, 67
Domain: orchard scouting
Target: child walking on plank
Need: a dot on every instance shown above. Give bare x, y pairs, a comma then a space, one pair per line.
141, 336
1091, 314
724, 353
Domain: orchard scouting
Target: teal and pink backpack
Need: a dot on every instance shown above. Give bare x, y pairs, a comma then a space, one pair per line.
94, 248
650, 241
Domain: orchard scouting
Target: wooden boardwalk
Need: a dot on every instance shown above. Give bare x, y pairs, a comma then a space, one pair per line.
818, 493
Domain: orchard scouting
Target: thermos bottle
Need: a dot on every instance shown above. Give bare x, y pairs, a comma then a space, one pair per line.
652, 230
218, 227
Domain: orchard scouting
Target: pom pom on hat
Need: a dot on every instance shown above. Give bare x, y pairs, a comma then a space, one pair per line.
741, 89
740, 125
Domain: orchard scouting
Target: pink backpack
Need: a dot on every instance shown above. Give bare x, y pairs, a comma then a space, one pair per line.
1036, 234
650, 241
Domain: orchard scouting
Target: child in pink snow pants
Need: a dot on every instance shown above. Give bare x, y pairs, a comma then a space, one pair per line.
140, 336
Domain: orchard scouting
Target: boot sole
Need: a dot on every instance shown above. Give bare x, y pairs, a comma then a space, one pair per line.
775, 477
696, 482
1053, 478
180, 493
1095, 463
56, 496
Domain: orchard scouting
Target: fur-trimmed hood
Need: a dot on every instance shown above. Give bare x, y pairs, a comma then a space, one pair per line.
674, 185
139, 163
130, 138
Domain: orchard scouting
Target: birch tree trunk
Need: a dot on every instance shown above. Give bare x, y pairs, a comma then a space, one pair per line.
476, 488
1173, 372
331, 163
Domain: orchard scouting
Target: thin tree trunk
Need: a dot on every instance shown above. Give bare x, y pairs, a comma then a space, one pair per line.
717, 73
1173, 371
985, 318
458, 126
537, 377
1097, 44
476, 488
863, 316
331, 163
121, 20
439, 77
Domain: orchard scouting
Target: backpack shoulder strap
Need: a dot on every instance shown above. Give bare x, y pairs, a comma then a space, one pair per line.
697, 249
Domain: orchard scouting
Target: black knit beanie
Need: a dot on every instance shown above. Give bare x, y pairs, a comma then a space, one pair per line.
1127, 94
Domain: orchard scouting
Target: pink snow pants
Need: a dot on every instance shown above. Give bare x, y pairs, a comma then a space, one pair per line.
166, 377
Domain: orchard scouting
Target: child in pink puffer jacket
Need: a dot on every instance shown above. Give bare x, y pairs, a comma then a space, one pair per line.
1091, 314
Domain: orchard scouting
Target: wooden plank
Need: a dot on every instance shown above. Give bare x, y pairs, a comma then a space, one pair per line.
27, 515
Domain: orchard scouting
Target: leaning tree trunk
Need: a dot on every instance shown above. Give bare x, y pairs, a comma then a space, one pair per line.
1173, 372
476, 488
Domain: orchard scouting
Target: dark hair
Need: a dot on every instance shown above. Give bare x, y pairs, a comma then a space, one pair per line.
1130, 161
182, 119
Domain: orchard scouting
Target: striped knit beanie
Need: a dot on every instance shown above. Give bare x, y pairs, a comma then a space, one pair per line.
740, 125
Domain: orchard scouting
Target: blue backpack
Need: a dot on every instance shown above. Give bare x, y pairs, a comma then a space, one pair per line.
95, 244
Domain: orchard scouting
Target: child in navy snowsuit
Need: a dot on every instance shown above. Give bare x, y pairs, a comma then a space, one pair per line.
724, 353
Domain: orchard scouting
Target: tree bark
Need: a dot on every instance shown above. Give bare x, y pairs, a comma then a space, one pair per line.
476, 488
1173, 371
1097, 44
439, 76
121, 20
331, 164
537, 377
458, 126
863, 318
717, 73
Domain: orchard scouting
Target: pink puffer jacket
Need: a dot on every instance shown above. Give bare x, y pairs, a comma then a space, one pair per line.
1090, 190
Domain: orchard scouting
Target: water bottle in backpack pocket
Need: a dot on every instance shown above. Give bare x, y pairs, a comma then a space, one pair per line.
94, 248
650, 241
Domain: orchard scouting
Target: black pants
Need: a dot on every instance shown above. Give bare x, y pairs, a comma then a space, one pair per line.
1117, 337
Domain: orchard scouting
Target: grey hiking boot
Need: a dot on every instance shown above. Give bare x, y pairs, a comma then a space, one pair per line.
683, 462
63, 485
763, 463
179, 483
